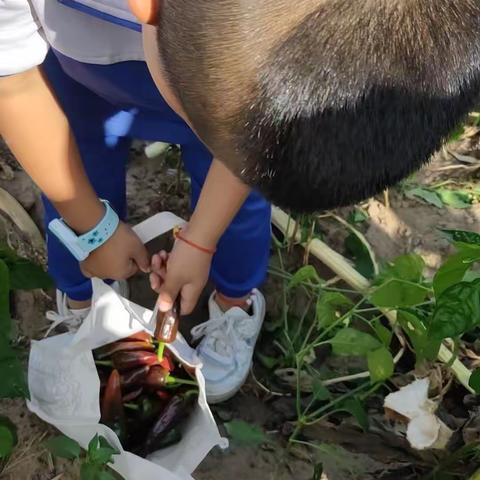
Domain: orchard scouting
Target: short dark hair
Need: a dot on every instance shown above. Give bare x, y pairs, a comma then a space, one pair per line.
327, 107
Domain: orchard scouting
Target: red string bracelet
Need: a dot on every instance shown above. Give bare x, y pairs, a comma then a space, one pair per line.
179, 236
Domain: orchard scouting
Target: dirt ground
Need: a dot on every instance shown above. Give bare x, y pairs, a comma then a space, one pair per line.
155, 185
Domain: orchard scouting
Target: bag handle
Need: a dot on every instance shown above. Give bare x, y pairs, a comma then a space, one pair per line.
157, 225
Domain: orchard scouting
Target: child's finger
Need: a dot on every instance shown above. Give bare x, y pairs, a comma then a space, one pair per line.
155, 282
156, 263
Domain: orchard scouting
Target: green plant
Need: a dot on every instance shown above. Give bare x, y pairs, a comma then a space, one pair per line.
16, 273
351, 324
94, 461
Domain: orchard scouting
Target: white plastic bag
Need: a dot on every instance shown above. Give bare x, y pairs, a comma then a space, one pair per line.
64, 384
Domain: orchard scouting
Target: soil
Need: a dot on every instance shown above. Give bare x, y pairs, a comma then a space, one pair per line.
157, 185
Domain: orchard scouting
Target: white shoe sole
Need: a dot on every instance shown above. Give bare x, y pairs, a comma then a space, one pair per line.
213, 399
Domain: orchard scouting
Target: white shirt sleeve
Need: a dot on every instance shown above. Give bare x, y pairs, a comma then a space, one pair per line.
22, 43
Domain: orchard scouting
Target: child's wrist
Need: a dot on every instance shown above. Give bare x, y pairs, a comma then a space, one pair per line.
82, 218
196, 240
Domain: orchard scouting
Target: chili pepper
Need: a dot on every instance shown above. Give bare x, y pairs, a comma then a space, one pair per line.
158, 377
175, 411
167, 362
109, 350
127, 360
134, 378
112, 411
163, 395
133, 395
139, 337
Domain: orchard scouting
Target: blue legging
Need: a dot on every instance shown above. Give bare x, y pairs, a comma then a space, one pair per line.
107, 106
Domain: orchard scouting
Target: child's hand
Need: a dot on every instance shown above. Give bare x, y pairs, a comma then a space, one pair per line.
184, 272
119, 258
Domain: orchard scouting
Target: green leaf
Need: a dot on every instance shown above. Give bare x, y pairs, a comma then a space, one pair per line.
358, 216
63, 447
244, 434
320, 392
25, 275
360, 255
268, 362
102, 456
93, 445
454, 198
8, 437
425, 194
89, 471
351, 342
408, 267
457, 311
7, 254
105, 475
355, 408
330, 305
462, 236
380, 364
100, 451
306, 274
471, 276
474, 381
452, 271
13, 382
398, 293
425, 347
383, 333
5, 321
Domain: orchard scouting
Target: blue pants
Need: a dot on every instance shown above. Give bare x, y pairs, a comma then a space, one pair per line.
109, 105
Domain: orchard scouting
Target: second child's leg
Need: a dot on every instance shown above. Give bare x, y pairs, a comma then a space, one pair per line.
239, 268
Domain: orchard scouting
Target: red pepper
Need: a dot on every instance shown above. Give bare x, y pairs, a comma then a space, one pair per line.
163, 395
167, 362
112, 348
157, 377
139, 337
134, 378
111, 407
128, 360
130, 397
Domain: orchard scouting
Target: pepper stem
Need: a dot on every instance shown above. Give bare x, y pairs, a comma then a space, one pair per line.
131, 406
104, 363
179, 381
160, 351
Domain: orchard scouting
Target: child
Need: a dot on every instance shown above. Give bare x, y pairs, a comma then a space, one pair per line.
314, 103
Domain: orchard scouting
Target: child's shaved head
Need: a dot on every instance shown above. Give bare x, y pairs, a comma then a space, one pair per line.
322, 103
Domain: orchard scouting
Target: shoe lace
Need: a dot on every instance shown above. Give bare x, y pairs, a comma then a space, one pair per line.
225, 334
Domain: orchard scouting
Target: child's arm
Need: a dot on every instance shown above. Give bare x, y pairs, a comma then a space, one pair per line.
37, 131
187, 271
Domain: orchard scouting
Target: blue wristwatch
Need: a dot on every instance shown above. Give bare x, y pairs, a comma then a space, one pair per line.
81, 246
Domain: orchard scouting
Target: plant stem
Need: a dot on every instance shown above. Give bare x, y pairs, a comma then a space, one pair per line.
160, 351
180, 381
334, 402
104, 363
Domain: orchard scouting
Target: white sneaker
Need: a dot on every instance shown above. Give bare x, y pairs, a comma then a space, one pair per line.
226, 349
72, 318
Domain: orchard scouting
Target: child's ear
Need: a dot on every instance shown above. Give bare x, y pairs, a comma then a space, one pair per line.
146, 11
